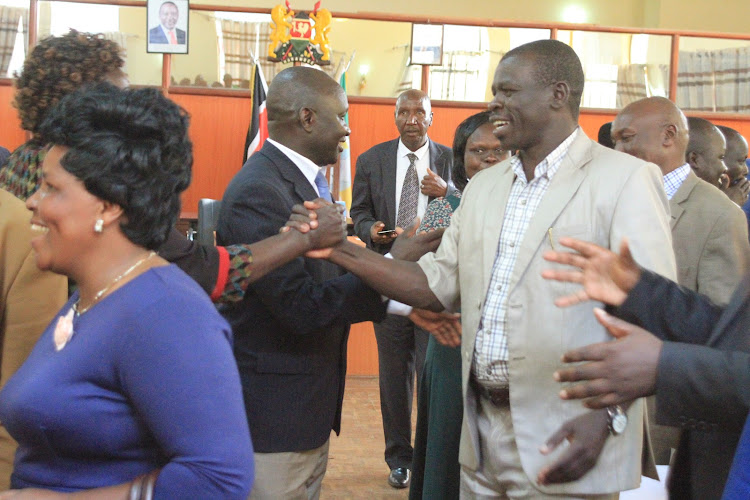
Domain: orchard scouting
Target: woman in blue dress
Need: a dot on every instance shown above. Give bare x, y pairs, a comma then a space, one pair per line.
133, 388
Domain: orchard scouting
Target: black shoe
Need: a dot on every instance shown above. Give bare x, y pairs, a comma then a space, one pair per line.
399, 477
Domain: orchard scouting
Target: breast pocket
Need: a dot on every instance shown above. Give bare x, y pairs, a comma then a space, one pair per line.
577, 231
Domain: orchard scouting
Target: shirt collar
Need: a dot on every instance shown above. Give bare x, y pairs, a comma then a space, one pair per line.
306, 166
550, 165
403, 150
674, 179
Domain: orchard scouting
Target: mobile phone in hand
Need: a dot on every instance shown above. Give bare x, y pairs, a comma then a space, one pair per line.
387, 232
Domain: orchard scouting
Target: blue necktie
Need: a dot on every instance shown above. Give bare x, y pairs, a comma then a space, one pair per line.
322, 184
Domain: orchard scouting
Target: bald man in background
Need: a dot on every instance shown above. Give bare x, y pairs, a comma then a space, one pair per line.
709, 232
735, 159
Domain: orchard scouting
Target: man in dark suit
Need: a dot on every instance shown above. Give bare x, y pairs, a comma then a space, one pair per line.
387, 194
695, 361
709, 232
166, 32
291, 329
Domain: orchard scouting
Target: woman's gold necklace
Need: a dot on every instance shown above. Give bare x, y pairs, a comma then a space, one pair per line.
107, 288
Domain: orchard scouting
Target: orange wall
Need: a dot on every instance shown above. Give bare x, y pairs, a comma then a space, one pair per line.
218, 128
11, 134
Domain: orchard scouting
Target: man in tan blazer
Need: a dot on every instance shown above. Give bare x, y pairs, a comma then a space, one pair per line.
29, 300
709, 232
490, 262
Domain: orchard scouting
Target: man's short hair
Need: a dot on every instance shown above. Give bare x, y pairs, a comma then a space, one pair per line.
700, 131
555, 61
605, 136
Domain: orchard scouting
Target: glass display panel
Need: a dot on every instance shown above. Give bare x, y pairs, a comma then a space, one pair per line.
714, 75
620, 68
124, 25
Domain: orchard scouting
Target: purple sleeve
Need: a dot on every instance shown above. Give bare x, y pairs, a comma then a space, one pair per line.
182, 379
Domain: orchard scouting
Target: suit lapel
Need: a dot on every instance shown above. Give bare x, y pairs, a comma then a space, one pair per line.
436, 160
563, 186
289, 172
388, 182
680, 197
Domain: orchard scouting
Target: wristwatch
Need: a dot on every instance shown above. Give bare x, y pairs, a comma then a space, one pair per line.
617, 420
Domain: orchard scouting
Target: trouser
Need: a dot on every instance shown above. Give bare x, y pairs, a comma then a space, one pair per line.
293, 475
501, 475
401, 352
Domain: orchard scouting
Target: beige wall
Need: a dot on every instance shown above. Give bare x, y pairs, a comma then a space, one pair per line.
726, 16
618, 13
142, 68
379, 44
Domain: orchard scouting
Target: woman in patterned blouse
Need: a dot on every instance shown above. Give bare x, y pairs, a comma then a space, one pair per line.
435, 473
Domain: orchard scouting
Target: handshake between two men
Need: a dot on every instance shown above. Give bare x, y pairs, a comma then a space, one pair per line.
320, 219
618, 373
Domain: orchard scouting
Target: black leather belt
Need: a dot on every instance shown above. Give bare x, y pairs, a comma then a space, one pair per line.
499, 397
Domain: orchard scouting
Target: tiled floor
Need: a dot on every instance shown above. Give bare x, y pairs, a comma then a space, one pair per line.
356, 468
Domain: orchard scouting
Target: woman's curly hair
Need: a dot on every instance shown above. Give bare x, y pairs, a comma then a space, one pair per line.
58, 66
128, 147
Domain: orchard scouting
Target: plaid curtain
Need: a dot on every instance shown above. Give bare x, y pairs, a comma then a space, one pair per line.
241, 41
718, 80
695, 81
732, 72
9, 17
638, 81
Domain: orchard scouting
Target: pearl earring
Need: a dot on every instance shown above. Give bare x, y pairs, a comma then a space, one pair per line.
98, 225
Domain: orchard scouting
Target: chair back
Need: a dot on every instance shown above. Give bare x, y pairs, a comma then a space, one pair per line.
208, 218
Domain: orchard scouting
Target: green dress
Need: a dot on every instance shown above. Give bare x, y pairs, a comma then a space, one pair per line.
435, 468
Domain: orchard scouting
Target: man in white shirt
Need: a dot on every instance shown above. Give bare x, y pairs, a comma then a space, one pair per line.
393, 183
291, 329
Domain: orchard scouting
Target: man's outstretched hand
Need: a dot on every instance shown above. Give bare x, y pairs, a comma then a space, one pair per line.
605, 276
444, 326
411, 246
618, 371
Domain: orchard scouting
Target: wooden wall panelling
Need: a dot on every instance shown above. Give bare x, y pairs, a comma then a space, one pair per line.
218, 126
11, 134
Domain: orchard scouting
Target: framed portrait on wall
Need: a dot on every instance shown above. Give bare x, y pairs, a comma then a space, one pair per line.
427, 44
167, 26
